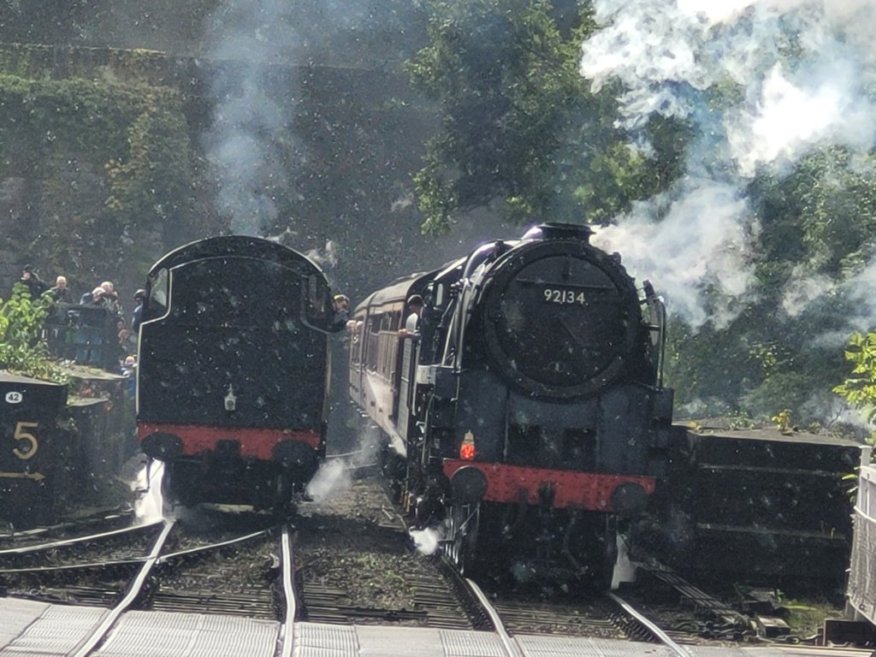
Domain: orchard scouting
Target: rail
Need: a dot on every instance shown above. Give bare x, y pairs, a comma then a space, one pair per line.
100, 632
509, 647
658, 634
288, 571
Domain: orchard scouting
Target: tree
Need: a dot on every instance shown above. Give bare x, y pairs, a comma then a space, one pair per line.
859, 389
108, 170
520, 129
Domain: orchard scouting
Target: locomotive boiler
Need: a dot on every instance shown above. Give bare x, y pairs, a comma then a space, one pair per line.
233, 370
526, 416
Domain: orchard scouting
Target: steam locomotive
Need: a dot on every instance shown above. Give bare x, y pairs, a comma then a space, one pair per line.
526, 417
233, 370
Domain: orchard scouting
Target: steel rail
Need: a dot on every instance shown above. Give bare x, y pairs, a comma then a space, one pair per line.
211, 546
134, 560
79, 539
288, 567
74, 566
510, 647
105, 516
664, 638
100, 632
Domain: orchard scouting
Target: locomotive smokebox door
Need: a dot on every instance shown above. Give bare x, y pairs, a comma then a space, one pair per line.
30, 452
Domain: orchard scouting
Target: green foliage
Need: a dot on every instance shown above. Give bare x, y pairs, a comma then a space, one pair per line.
815, 221
152, 184
519, 123
21, 347
859, 389
823, 213
108, 168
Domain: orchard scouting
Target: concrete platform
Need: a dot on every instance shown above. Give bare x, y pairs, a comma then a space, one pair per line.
37, 629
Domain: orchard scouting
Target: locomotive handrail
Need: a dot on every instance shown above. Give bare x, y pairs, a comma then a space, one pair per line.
655, 303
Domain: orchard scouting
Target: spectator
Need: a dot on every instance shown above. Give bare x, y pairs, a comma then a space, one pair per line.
341, 307
91, 339
412, 323
123, 334
111, 299
129, 371
35, 286
60, 292
88, 298
94, 298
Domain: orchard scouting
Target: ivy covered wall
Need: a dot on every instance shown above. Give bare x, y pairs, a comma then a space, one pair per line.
96, 176
104, 163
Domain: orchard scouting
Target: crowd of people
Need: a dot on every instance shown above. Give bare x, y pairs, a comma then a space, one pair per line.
86, 344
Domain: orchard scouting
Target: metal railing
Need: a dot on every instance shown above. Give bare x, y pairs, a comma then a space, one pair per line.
87, 335
861, 591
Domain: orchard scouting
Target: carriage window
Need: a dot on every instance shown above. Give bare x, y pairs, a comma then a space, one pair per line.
356, 333
371, 348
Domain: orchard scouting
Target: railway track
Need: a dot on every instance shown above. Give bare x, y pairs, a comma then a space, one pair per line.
347, 561
157, 560
98, 522
234, 576
606, 617
90, 569
356, 566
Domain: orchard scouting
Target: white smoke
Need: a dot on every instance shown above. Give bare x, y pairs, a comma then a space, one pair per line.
335, 474
803, 288
702, 239
860, 289
326, 258
331, 478
148, 500
797, 70
425, 540
247, 145
790, 118
624, 569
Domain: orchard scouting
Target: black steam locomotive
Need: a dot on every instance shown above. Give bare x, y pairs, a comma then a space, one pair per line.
526, 414
232, 374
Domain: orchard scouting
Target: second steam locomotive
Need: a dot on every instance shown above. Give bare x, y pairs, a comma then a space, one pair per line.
232, 378
526, 413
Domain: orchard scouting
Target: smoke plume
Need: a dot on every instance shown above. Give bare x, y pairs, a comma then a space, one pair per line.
248, 144
763, 83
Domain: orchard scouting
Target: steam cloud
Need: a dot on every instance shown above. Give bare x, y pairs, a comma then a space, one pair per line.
331, 479
247, 145
801, 69
334, 475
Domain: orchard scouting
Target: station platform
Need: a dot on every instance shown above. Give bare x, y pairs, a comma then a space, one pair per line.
38, 629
